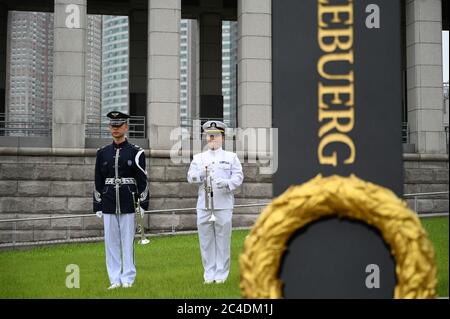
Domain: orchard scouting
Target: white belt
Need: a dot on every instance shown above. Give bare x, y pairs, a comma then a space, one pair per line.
126, 180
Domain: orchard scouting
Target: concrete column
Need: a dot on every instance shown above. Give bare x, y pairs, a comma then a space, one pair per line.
254, 63
138, 62
3, 41
424, 75
69, 74
163, 113
211, 100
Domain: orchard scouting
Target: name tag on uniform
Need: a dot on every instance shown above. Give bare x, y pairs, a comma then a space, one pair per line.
224, 162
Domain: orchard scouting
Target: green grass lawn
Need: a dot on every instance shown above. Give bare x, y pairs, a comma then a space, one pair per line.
437, 228
169, 267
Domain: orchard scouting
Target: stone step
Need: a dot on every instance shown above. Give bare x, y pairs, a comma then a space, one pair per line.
424, 188
85, 172
59, 189
430, 205
30, 235
426, 175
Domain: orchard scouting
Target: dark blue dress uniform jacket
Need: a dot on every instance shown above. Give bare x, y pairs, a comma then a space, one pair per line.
131, 165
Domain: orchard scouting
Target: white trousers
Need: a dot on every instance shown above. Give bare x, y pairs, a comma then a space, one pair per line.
119, 233
215, 239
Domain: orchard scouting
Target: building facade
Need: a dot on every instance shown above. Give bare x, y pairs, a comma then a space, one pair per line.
29, 92
30, 71
229, 71
54, 174
93, 67
115, 55
240, 91
188, 70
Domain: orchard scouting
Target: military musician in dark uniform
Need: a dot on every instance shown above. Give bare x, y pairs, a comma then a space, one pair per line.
120, 183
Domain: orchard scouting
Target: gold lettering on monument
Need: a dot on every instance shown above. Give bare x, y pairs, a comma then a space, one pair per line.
336, 108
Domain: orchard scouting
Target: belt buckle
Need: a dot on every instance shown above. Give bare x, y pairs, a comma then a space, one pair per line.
117, 181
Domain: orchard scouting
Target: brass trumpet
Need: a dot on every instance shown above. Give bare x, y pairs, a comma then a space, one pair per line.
140, 221
209, 195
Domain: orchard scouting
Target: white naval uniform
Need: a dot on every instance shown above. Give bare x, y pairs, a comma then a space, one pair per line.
215, 237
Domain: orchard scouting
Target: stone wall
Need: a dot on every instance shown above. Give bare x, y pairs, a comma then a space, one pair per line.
427, 174
36, 186
169, 189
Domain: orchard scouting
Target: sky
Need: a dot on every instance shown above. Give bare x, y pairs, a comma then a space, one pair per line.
445, 55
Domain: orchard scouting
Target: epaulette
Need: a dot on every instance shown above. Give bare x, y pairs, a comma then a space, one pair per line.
136, 146
102, 148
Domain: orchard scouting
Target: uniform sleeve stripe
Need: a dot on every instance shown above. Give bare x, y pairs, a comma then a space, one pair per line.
137, 161
144, 193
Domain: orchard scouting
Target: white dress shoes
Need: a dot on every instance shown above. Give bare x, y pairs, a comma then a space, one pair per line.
114, 286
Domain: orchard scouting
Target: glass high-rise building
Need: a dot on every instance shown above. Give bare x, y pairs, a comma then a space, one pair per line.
188, 73
229, 71
30, 68
115, 56
184, 83
93, 67
29, 90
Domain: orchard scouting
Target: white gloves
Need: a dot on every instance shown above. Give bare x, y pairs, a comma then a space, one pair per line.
142, 211
199, 176
202, 174
221, 182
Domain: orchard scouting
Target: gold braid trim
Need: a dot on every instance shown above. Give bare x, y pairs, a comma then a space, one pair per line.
348, 197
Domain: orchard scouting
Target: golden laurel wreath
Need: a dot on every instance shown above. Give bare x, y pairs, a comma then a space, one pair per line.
348, 197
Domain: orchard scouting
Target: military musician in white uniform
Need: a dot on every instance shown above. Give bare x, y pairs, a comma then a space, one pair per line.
218, 173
